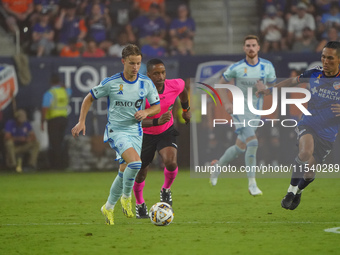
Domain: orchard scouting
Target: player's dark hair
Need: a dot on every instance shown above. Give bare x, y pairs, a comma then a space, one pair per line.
334, 45
249, 37
152, 62
131, 50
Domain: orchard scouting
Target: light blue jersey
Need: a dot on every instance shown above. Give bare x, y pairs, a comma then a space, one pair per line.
124, 99
246, 76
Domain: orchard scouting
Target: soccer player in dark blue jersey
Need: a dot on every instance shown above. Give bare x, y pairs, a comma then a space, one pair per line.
316, 132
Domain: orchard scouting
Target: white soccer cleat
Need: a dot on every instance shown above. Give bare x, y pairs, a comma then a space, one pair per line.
254, 190
214, 175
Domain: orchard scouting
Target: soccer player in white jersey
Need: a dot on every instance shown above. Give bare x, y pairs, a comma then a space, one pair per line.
126, 94
249, 72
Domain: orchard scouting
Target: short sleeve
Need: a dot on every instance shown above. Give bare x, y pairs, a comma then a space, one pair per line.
152, 96
101, 90
229, 74
271, 77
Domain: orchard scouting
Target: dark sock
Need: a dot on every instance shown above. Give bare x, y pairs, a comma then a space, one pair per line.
298, 171
304, 183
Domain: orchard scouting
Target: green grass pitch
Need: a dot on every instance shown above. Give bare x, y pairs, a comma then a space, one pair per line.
59, 213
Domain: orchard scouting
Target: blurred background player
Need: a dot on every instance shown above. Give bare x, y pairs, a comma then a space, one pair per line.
126, 92
249, 72
316, 132
160, 134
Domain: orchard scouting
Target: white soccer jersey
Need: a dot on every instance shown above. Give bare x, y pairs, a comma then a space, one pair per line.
246, 76
124, 99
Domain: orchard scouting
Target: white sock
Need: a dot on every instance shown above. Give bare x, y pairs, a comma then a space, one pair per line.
293, 189
299, 191
109, 206
251, 181
125, 196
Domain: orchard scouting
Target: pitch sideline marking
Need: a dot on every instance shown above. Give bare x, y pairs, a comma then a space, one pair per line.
333, 230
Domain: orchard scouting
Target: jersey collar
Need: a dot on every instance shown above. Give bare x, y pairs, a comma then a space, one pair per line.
130, 82
245, 60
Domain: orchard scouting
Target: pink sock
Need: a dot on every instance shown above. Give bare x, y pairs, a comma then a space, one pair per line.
138, 191
169, 177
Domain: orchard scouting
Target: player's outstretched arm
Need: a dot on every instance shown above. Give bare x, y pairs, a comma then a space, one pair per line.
85, 107
290, 82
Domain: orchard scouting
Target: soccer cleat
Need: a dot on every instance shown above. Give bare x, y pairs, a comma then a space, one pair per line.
287, 200
165, 196
214, 175
127, 207
142, 211
254, 190
296, 201
108, 215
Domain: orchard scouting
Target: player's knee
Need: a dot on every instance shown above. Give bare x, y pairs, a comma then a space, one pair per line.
253, 143
170, 165
305, 155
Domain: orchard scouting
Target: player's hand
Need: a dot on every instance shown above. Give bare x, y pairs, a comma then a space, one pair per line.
336, 109
260, 85
165, 117
186, 116
141, 115
264, 92
229, 107
77, 129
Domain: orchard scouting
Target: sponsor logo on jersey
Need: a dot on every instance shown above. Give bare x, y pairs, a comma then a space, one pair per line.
124, 103
142, 93
138, 103
120, 92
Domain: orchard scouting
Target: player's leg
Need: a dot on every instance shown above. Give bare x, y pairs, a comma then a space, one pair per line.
305, 156
147, 155
248, 137
134, 163
169, 157
116, 191
229, 155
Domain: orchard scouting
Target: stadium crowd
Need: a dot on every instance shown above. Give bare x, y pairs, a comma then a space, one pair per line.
98, 28
298, 25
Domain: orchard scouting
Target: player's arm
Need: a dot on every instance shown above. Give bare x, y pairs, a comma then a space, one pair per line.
165, 117
85, 107
184, 98
153, 110
290, 82
224, 95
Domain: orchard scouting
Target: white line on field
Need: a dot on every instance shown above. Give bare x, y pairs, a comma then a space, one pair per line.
147, 222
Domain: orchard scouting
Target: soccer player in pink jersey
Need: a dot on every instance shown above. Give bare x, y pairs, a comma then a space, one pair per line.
160, 135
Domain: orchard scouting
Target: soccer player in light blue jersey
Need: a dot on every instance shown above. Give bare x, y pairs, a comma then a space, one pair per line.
254, 72
126, 94
316, 132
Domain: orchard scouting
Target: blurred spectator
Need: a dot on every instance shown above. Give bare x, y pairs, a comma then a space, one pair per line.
69, 25
272, 28
154, 49
332, 35
183, 28
324, 6
54, 110
298, 22
72, 49
88, 5
98, 24
331, 19
43, 35
143, 6
144, 26
20, 140
121, 13
17, 15
280, 6
116, 49
308, 43
92, 50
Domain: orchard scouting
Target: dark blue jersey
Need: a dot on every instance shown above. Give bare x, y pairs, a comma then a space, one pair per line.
325, 91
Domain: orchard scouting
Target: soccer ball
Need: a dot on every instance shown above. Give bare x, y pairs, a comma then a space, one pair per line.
161, 214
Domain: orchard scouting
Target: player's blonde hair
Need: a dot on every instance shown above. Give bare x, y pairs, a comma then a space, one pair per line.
249, 37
